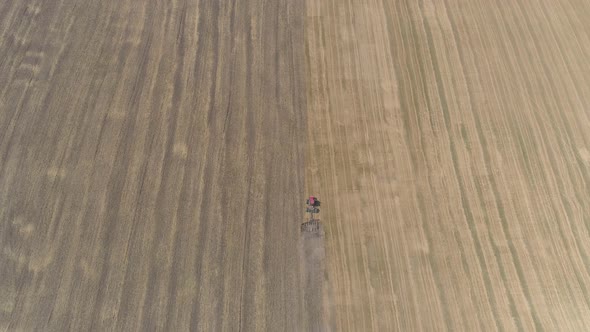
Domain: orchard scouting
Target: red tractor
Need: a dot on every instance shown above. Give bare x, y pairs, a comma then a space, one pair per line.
313, 205
313, 224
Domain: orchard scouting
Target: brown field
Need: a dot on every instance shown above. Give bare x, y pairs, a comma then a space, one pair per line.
151, 171
155, 156
449, 142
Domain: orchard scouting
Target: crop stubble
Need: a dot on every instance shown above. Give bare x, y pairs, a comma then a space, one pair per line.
448, 141
151, 161
151, 164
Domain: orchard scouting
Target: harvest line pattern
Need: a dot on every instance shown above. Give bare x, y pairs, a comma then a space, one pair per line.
451, 140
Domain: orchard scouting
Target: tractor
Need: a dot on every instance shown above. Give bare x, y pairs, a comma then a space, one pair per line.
312, 225
313, 205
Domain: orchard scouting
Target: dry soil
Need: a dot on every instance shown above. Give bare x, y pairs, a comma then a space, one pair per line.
151, 165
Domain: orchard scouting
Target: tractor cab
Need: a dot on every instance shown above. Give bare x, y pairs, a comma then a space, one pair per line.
313, 201
312, 205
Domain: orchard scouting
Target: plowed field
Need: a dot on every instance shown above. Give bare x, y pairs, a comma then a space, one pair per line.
151, 165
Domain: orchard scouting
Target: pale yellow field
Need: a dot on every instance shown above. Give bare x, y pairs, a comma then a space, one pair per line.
449, 142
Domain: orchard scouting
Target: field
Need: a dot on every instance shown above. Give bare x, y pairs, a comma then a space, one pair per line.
449, 143
155, 157
151, 171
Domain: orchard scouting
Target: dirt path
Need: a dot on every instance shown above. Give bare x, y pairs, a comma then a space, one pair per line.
448, 141
151, 165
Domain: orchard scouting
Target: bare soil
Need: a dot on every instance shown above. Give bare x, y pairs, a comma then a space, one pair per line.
151, 165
